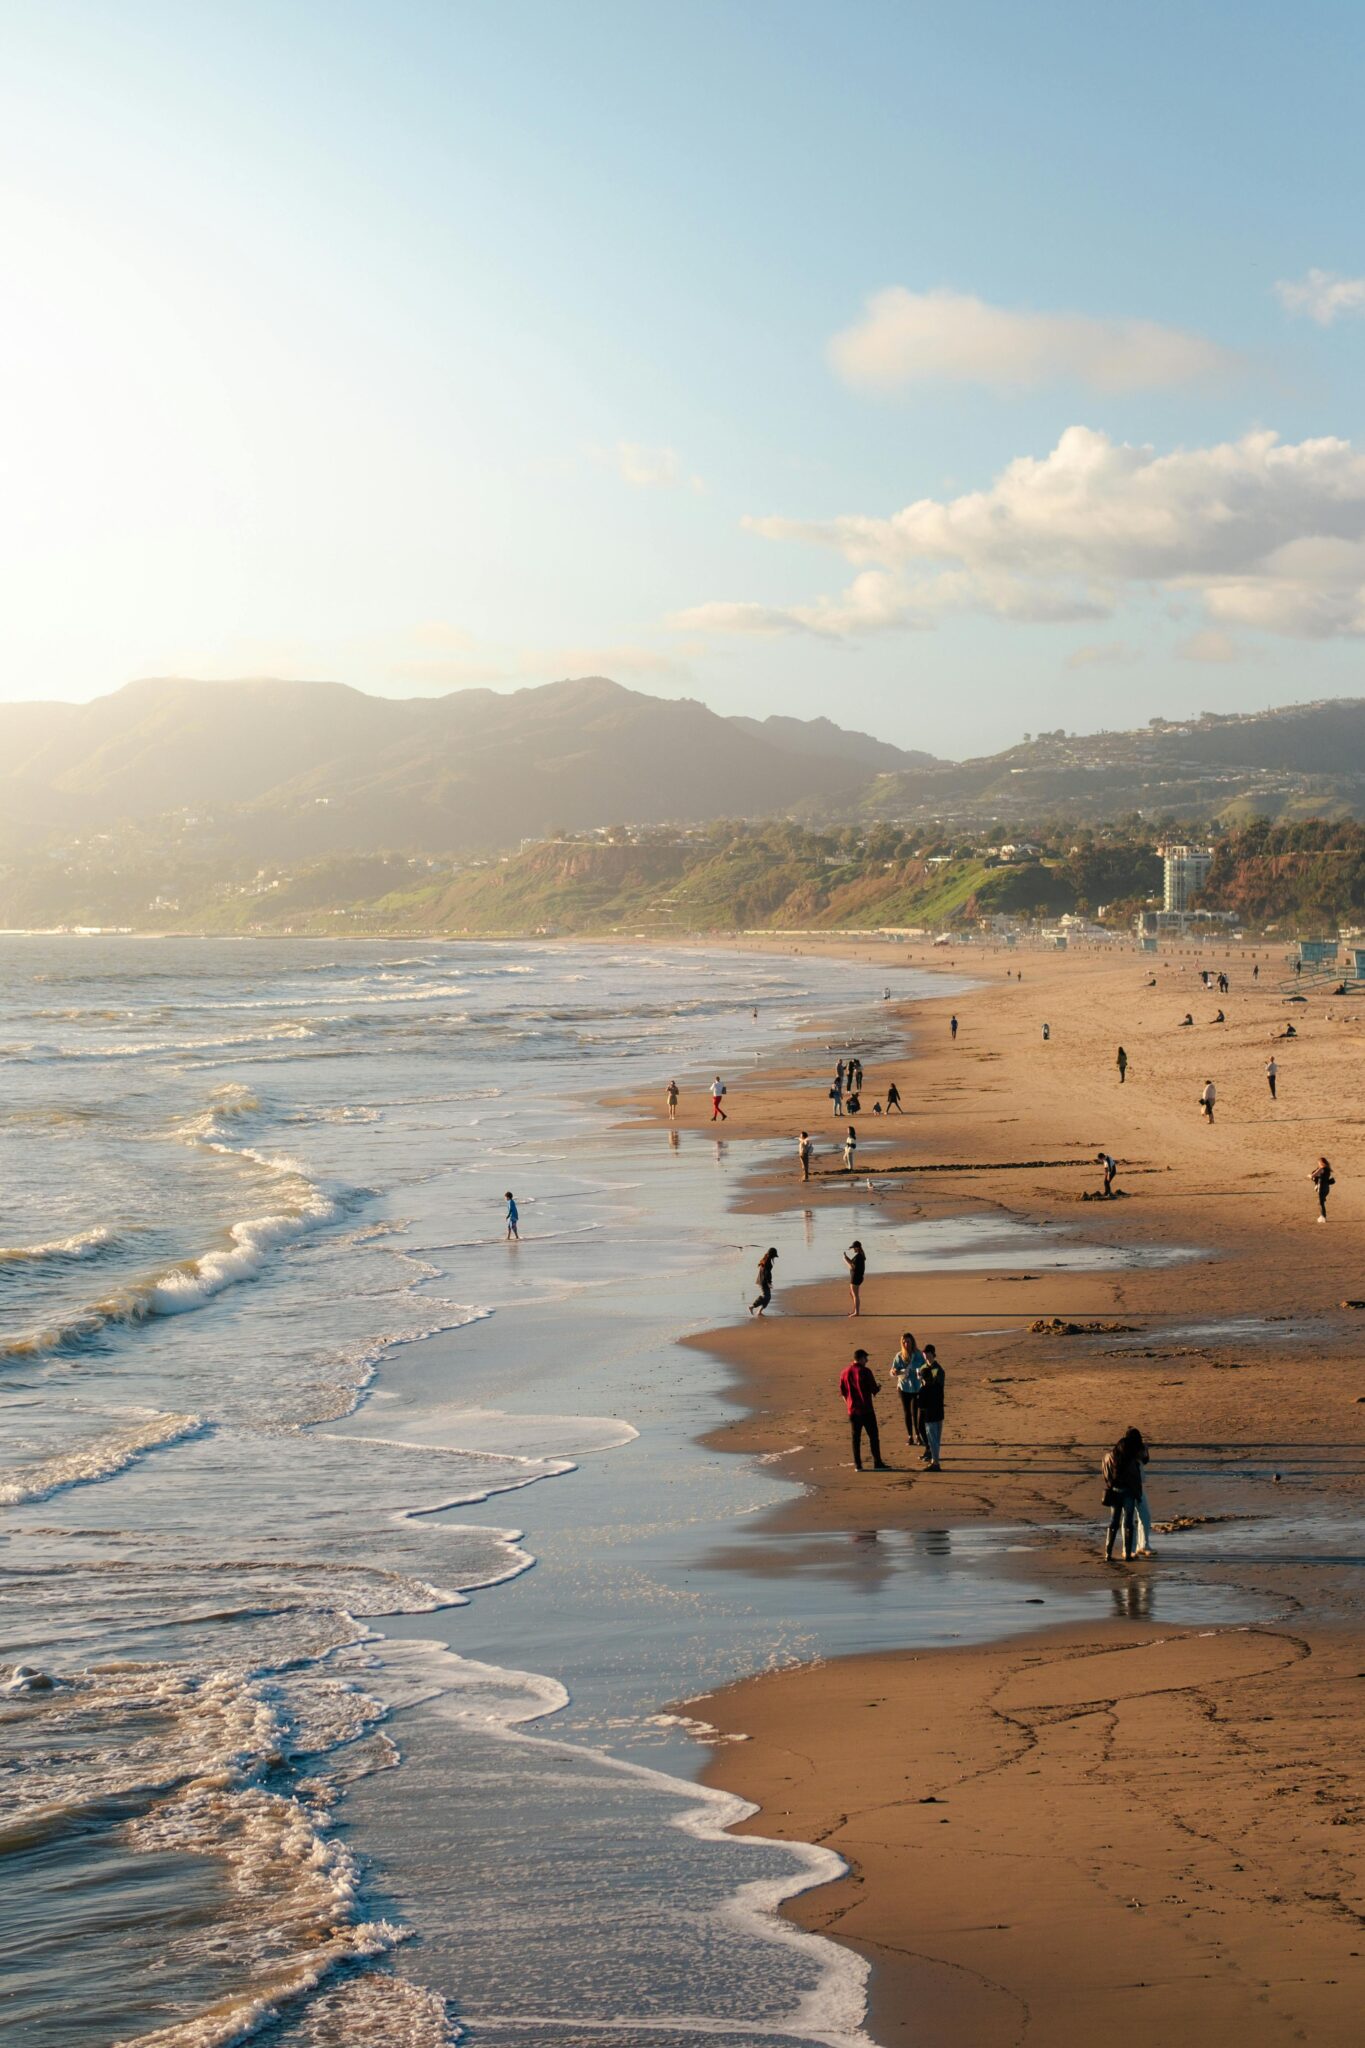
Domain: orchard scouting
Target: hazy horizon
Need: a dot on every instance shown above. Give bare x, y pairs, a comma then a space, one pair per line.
940, 377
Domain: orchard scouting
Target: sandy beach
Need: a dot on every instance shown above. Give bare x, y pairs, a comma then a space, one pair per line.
1131, 1820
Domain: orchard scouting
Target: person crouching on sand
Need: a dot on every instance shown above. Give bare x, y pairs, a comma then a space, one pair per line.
1121, 1471
765, 1282
1323, 1181
931, 1402
860, 1390
855, 1258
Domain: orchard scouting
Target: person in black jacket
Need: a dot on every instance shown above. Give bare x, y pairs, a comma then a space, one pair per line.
1121, 1471
931, 1395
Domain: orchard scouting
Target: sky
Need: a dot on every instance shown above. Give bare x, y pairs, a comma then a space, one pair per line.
954, 371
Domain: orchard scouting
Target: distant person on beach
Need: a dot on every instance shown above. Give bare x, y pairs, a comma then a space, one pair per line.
952, 1026
1141, 1508
1121, 1471
906, 1366
1219, 1019
836, 1096
854, 1103
671, 1095
1122, 1064
1208, 1095
1323, 1181
765, 1282
1186, 1019
1106, 1160
717, 1104
893, 1099
804, 1152
513, 1216
855, 1258
1289, 1032
1256, 971
859, 1388
839, 1077
1047, 1033
850, 1149
1272, 1075
931, 1401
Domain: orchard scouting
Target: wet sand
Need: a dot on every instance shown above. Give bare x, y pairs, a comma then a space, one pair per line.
1132, 1821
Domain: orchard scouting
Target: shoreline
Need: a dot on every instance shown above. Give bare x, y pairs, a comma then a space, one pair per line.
1229, 1401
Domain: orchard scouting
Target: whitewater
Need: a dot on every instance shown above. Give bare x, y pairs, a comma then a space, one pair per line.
350, 1555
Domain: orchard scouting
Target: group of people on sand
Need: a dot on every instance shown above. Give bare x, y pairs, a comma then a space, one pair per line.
919, 1380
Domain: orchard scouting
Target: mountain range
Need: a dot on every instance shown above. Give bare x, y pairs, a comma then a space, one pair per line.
288, 771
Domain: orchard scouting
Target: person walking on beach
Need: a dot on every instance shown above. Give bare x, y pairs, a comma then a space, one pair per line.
671, 1096
1208, 1095
931, 1403
1106, 1160
717, 1105
855, 1258
804, 1152
1121, 1471
513, 1217
905, 1370
1122, 1064
1047, 1033
1142, 1512
850, 1149
952, 1027
1272, 1075
1323, 1180
893, 1100
859, 1387
765, 1282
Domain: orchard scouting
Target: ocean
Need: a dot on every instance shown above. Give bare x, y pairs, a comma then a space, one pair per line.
352, 1556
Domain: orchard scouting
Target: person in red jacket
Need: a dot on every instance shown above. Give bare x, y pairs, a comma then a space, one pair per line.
859, 1388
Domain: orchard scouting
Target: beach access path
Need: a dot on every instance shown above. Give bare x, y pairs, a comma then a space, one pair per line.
1128, 1823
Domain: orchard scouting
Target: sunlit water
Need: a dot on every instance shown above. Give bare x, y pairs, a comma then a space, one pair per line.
322, 1757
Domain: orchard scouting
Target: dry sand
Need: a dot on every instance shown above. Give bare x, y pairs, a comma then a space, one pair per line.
1132, 1823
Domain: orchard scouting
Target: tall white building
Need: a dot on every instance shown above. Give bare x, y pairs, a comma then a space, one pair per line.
1185, 869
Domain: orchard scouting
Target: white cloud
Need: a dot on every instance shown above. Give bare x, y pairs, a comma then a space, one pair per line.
1266, 535
1323, 295
656, 469
1211, 645
906, 337
1103, 654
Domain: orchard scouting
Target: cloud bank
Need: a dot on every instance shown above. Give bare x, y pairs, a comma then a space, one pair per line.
1258, 533
909, 337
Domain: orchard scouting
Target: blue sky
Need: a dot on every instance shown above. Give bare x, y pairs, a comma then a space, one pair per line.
429, 345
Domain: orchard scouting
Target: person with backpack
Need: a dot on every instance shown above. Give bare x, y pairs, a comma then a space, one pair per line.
765, 1282
717, 1103
1324, 1181
1121, 1471
859, 1388
931, 1402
